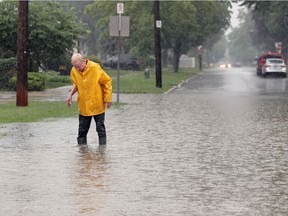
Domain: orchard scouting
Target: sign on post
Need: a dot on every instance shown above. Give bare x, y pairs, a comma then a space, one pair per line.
200, 50
278, 46
158, 23
114, 28
120, 8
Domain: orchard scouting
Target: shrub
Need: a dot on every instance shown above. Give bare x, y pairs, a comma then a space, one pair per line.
7, 70
54, 80
36, 82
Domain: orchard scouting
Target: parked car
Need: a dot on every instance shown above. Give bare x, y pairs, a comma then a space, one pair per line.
126, 62
236, 64
274, 66
262, 60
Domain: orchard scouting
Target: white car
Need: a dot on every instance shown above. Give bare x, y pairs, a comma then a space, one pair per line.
274, 66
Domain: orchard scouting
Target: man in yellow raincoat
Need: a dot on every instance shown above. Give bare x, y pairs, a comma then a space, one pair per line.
94, 88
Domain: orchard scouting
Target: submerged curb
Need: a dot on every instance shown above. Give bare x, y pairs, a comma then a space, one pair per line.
182, 83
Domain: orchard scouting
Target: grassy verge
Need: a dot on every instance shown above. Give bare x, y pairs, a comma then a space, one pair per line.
35, 111
131, 82
137, 83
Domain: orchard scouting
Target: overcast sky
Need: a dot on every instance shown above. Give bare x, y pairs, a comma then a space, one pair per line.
234, 20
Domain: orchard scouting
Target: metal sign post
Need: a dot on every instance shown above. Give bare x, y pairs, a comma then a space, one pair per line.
119, 26
200, 52
120, 10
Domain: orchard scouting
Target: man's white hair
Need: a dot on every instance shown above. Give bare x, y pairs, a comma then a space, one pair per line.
76, 57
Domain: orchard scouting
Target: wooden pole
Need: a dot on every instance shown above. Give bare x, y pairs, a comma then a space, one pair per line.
22, 54
158, 57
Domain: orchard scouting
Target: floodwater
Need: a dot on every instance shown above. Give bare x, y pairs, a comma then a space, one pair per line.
216, 146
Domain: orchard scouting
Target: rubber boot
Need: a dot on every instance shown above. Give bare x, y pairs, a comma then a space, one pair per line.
102, 140
82, 140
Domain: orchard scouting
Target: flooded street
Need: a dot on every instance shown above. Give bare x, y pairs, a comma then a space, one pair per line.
217, 146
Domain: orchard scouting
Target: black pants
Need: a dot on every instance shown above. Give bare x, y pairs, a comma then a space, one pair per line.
85, 122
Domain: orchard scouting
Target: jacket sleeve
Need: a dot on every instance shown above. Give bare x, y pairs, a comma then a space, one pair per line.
106, 84
73, 78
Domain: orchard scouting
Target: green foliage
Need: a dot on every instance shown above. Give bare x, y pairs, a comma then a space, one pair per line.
54, 80
62, 64
8, 28
241, 46
40, 81
94, 58
7, 70
36, 82
185, 25
53, 31
272, 28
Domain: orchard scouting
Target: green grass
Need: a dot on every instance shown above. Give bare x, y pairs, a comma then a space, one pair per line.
113, 73
136, 83
39, 111
35, 111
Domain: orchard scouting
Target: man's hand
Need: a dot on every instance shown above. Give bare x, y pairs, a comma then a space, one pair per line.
69, 101
108, 104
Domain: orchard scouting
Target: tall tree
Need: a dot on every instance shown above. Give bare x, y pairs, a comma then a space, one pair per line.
182, 29
190, 24
241, 46
141, 26
53, 31
272, 28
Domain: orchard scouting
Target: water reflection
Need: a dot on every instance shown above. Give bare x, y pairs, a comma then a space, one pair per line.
92, 178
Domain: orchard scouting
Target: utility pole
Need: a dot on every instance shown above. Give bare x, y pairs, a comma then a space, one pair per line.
22, 54
200, 52
158, 58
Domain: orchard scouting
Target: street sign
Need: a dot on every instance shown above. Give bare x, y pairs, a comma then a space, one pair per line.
120, 8
114, 26
200, 50
158, 24
278, 46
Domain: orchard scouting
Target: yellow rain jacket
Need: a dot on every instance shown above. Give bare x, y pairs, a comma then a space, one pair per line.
94, 89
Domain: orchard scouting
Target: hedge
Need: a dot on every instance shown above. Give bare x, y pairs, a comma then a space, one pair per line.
36, 81
8, 69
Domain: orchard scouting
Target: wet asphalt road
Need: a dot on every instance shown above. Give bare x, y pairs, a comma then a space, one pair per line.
216, 146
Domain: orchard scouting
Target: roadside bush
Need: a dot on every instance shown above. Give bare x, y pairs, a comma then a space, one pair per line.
61, 64
36, 82
7, 70
54, 80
